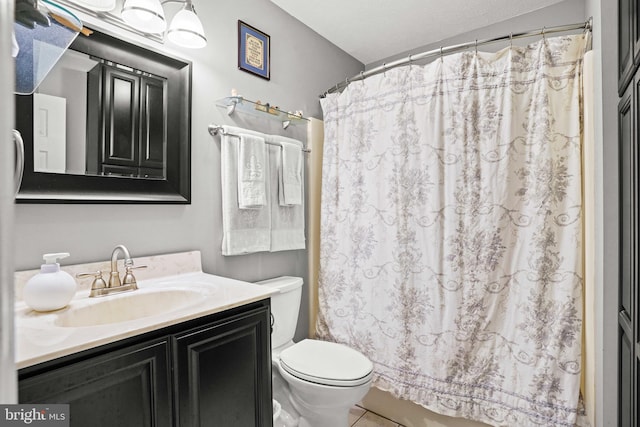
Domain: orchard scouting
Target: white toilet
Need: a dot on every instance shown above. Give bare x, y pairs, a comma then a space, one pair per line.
325, 379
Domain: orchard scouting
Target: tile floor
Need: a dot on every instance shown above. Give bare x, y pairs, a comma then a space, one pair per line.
360, 417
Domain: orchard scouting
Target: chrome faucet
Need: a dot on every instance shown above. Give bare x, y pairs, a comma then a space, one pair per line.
100, 288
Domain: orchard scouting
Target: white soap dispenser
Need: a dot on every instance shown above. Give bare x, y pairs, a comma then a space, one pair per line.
52, 288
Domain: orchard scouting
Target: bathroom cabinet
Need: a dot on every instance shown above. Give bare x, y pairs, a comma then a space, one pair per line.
125, 387
127, 117
627, 291
628, 41
212, 371
628, 315
221, 372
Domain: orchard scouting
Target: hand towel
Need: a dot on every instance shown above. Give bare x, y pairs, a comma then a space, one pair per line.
252, 192
290, 174
287, 222
244, 230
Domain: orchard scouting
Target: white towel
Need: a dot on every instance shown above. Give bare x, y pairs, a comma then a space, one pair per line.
252, 192
244, 230
287, 222
290, 174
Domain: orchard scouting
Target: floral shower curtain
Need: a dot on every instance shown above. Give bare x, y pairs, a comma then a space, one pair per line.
451, 232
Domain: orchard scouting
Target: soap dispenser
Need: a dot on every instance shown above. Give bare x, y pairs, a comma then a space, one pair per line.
52, 288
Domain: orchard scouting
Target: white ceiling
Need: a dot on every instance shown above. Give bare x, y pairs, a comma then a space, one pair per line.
370, 30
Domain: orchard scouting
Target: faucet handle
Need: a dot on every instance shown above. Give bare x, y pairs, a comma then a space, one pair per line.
97, 284
129, 278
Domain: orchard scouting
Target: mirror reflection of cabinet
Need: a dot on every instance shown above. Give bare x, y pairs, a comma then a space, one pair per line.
151, 165
130, 123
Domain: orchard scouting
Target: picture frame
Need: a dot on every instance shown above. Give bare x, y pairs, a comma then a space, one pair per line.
254, 51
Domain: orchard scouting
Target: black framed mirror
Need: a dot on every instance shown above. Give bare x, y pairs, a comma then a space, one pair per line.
125, 113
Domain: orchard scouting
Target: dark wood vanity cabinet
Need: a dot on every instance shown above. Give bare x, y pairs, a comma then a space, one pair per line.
217, 367
127, 388
213, 371
128, 122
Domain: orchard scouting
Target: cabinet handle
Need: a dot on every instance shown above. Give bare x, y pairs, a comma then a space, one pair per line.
273, 320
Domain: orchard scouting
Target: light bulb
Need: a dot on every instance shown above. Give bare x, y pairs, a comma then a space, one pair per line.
186, 29
144, 15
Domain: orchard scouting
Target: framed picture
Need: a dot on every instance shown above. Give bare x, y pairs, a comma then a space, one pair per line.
253, 51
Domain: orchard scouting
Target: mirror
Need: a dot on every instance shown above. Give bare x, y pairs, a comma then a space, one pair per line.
110, 123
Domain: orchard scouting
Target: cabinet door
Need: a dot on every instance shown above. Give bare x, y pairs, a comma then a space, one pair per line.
625, 43
626, 166
626, 382
121, 107
626, 288
124, 388
222, 372
153, 123
635, 22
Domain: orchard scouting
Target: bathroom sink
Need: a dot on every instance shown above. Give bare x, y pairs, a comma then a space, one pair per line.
128, 306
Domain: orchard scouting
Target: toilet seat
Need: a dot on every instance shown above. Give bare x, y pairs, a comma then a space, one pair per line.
326, 363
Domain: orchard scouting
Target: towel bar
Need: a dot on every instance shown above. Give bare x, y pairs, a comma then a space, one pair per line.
217, 129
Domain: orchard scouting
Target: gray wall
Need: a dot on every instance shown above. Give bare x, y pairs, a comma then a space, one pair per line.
565, 12
71, 84
303, 65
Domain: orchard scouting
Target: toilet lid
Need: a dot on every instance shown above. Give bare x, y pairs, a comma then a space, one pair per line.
326, 363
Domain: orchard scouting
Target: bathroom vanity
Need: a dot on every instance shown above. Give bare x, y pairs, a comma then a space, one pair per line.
202, 359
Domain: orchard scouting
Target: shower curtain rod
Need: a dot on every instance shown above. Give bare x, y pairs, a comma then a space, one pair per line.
586, 26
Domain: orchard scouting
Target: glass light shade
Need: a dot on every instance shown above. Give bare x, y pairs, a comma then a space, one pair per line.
186, 30
144, 15
97, 5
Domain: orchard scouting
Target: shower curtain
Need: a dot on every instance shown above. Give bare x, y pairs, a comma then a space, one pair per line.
451, 231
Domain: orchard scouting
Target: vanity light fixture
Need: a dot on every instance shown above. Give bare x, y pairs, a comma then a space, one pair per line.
148, 16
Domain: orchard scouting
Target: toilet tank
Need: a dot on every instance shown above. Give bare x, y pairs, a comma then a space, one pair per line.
285, 306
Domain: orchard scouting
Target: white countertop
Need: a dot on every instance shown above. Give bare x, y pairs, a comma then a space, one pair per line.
40, 336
